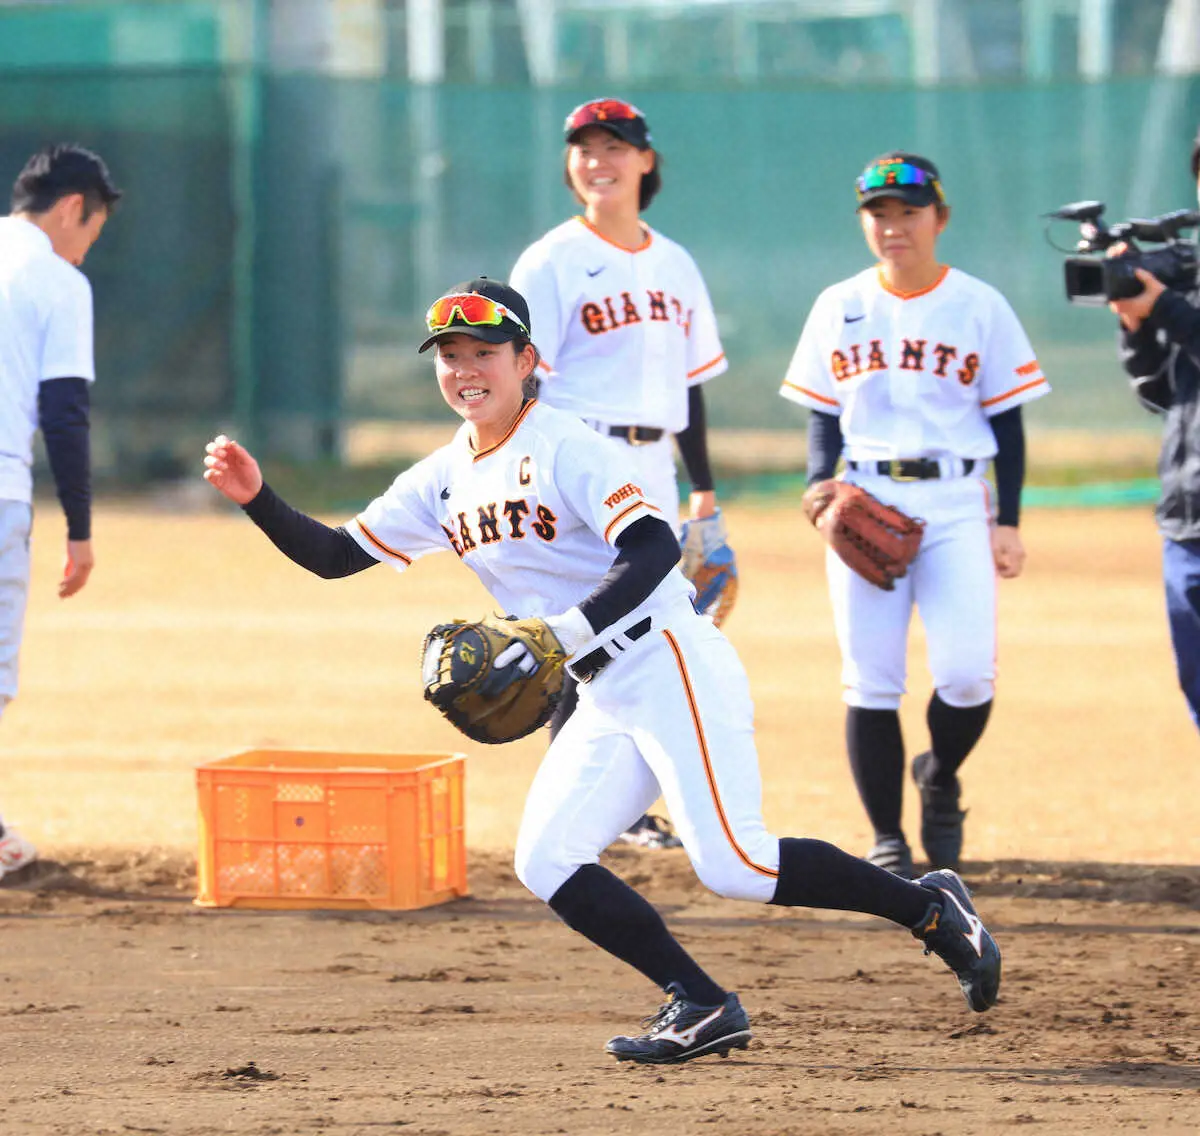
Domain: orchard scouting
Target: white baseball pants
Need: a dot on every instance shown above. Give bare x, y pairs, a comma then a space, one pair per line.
670, 715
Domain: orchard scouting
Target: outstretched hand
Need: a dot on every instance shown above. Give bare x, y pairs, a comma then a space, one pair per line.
230, 468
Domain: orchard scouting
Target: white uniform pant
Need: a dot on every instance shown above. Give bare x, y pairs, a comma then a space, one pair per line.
952, 583
16, 521
671, 715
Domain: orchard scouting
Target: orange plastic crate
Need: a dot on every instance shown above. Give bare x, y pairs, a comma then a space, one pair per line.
287, 828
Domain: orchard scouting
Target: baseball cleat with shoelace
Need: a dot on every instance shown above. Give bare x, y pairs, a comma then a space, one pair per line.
682, 1030
954, 932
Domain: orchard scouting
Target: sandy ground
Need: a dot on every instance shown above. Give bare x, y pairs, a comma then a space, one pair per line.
124, 1008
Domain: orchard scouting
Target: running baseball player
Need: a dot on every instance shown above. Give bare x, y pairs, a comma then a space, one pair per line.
626, 329
60, 202
915, 373
551, 518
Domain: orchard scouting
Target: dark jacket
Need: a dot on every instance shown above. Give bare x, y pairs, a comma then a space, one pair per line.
1163, 357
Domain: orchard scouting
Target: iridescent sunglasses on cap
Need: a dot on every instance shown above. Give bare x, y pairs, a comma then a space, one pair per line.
600, 111
885, 175
470, 308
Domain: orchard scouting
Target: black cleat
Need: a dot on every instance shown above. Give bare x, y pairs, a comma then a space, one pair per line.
682, 1030
651, 831
893, 854
941, 817
954, 932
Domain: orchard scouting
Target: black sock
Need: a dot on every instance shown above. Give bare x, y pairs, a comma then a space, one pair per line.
612, 915
876, 749
953, 732
813, 873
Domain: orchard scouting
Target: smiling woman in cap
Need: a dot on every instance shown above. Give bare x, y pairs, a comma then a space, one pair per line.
915, 373
627, 330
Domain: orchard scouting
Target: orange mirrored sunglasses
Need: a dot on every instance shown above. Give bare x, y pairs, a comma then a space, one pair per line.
600, 111
470, 308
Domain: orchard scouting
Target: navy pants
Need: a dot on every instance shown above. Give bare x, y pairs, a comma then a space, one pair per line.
1181, 575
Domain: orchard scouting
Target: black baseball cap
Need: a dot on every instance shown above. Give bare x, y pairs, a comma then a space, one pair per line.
900, 174
508, 305
614, 115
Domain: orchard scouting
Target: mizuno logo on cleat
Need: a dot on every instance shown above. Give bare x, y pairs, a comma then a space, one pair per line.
688, 1036
975, 935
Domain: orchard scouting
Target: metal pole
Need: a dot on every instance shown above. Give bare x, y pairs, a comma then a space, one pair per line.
247, 132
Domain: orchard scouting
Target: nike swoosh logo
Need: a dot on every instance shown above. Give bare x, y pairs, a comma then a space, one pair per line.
975, 935
688, 1036
446, 493
853, 319
596, 271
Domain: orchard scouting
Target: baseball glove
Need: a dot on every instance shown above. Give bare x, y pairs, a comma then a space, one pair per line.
496, 680
710, 564
877, 541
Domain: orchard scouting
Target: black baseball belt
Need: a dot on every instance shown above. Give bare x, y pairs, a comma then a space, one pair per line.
594, 662
912, 469
635, 435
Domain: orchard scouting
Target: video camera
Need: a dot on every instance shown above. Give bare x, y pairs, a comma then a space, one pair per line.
1095, 280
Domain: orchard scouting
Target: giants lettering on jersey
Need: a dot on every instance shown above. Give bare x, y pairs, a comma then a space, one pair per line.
493, 523
914, 356
609, 314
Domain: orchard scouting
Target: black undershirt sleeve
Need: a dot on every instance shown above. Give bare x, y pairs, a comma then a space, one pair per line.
330, 553
693, 443
63, 408
824, 445
646, 552
1009, 464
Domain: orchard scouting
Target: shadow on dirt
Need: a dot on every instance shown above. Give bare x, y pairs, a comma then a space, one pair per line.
663, 876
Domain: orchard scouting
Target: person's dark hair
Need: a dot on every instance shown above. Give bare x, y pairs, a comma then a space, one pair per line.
55, 172
647, 191
531, 384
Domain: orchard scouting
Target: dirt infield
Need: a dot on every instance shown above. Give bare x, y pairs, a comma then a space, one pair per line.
126, 1009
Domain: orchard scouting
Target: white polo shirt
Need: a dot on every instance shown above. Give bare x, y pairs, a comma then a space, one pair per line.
45, 333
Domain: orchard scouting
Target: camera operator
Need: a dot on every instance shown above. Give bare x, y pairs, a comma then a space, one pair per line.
1160, 349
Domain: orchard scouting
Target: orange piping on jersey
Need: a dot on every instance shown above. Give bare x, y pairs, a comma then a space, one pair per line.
379, 544
702, 743
545, 366
711, 363
643, 504
510, 432
608, 240
812, 394
912, 295
1039, 381
1030, 368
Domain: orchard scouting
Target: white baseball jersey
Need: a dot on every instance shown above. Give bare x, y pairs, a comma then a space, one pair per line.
918, 376
535, 517
45, 333
913, 375
622, 332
